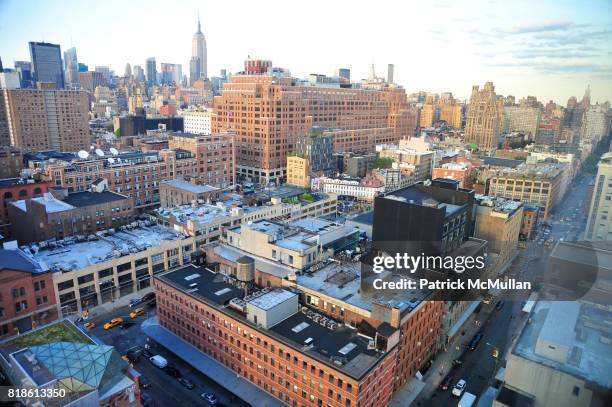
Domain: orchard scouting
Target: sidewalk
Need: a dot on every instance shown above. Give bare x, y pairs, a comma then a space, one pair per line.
208, 366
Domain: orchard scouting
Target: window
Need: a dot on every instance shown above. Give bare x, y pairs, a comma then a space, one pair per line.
66, 284
576, 391
85, 279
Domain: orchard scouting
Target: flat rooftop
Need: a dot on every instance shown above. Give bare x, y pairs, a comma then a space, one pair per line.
559, 322
200, 214
343, 282
315, 225
189, 187
271, 299
74, 253
51, 203
340, 348
415, 196
81, 199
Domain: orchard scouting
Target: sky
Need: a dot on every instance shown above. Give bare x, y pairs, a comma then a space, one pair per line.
549, 49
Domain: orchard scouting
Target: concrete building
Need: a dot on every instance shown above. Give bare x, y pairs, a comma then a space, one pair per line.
27, 293
462, 172
199, 54
542, 184
197, 121
358, 165
298, 171
529, 225
174, 192
522, 118
451, 112
215, 156
362, 189
416, 162
318, 148
90, 80
560, 359
207, 222
595, 123
89, 272
48, 119
58, 214
599, 223
498, 221
429, 113
485, 118
11, 162
12, 189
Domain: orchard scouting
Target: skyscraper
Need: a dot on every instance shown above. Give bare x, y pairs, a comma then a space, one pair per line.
484, 120
139, 73
128, 71
198, 49
390, 69
24, 68
150, 66
47, 63
194, 70
71, 66
345, 73
171, 73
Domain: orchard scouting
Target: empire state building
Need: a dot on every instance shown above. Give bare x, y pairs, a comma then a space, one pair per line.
199, 65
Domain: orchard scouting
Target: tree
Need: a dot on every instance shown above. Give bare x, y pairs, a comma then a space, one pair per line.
383, 162
118, 132
109, 127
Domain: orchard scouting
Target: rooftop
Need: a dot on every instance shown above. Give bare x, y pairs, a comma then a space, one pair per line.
87, 198
498, 204
17, 260
189, 187
271, 299
77, 252
341, 348
581, 335
51, 203
418, 196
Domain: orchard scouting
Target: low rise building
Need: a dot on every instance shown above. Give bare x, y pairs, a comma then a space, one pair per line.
362, 189
58, 214
197, 121
93, 271
12, 189
529, 225
11, 162
28, 300
462, 172
175, 192
298, 171
404, 153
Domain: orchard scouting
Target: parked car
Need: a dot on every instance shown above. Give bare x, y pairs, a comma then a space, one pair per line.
135, 301
159, 361
146, 353
474, 342
89, 326
133, 355
144, 381
136, 312
172, 371
210, 398
447, 382
146, 400
499, 305
186, 383
113, 323
459, 388
126, 324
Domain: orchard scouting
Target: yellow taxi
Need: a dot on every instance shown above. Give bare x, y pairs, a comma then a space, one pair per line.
136, 312
113, 323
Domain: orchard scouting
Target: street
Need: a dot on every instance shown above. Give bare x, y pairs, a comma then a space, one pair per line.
500, 327
165, 390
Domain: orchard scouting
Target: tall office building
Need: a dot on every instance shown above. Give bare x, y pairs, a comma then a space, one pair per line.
139, 73
484, 120
344, 73
128, 71
90, 80
429, 113
83, 67
24, 69
150, 66
194, 70
171, 74
599, 224
198, 49
106, 73
48, 119
390, 69
71, 66
47, 63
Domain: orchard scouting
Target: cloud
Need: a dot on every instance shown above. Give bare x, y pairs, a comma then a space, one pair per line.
553, 53
596, 70
538, 27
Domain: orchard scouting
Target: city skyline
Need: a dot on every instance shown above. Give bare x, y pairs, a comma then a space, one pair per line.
551, 57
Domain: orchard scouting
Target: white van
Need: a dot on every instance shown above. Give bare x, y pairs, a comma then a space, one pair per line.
158, 361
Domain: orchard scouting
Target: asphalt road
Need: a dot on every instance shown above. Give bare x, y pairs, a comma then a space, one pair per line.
165, 390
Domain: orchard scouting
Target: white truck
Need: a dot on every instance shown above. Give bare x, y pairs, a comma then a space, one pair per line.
159, 361
467, 400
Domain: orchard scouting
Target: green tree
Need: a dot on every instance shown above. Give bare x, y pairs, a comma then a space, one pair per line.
383, 162
118, 132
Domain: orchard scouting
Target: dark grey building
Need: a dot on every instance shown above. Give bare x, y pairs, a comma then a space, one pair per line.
24, 69
47, 63
151, 71
319, 149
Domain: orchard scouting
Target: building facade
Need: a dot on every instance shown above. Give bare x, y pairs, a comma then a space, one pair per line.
484, 120
599, 223
47, 63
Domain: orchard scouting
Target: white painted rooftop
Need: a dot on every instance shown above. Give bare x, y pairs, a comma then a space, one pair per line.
52, 204
271, 299
188, 186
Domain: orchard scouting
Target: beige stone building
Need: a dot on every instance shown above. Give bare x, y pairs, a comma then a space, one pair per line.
450, 112
298, 171
498, 221
522, 118
48, 119
429, 113
485, 115
542, 184
175, 192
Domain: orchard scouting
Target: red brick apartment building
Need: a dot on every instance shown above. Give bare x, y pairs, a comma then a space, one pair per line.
27, 299
13, 189
284, 352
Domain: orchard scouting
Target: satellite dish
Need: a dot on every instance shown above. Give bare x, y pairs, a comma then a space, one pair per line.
91, 147
118, 160
111, 160
99, 152
83, 154
114, 151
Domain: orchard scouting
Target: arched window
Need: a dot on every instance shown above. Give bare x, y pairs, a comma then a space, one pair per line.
37, 191
23, 193
8, 195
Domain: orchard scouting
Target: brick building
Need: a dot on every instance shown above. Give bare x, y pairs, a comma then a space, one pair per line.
58, 214
27, 298
11, 162
12, 189
175, 192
